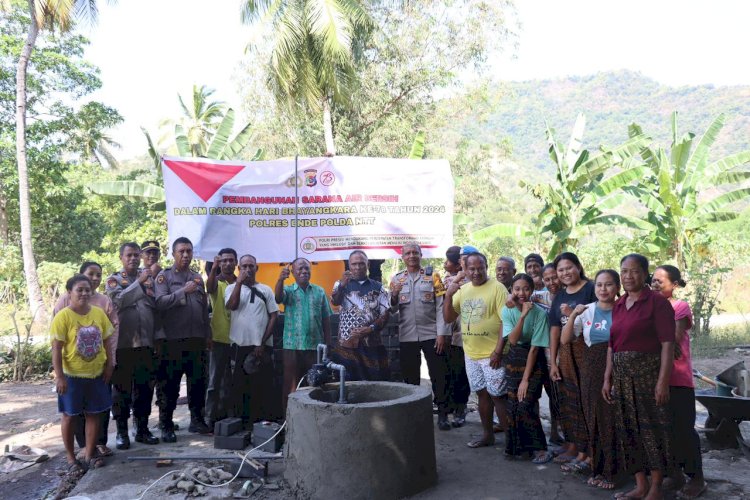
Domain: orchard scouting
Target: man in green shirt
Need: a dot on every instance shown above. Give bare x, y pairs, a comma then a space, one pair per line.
306, 322
220, 276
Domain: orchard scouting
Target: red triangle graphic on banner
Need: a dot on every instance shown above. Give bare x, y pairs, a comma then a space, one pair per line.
203, 178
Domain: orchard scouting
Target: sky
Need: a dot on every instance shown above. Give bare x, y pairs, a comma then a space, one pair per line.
151, 50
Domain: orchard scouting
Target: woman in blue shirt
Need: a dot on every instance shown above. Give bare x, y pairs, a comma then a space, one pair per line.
526, 328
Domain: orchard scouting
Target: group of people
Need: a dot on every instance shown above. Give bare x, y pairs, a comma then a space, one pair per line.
616, 367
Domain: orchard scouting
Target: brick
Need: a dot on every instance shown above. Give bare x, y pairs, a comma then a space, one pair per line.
227, 427
263, 431
237, 441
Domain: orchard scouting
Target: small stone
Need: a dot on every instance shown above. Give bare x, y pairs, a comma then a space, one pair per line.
224, 475
200, 491
186, 485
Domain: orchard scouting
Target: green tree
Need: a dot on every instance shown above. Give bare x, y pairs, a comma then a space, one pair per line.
51, 15
315, 43
586, 189
685, 193
56, 75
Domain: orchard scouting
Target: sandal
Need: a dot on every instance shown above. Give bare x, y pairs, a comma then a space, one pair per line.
104, 451
569, 466
96, 462
76, 468
542, 458
479, 443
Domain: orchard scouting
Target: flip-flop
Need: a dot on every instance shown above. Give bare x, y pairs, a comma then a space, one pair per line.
479, 443
624, 496
606, 484
543, 459
570, 466
594, 481
564, 458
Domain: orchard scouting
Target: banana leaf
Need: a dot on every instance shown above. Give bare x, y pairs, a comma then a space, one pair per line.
221, 136
131, 190
417, 148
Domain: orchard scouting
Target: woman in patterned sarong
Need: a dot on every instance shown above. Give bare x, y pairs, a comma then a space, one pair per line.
565, 361
594, 322
639, 367
526, 328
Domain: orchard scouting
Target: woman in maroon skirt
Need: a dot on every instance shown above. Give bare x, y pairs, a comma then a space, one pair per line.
639, 367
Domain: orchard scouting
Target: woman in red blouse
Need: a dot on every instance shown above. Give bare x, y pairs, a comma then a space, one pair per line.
639, 366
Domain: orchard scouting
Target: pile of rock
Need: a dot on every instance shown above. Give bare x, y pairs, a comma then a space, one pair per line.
186, 481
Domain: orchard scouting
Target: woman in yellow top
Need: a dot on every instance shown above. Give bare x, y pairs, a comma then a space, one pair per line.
80, 335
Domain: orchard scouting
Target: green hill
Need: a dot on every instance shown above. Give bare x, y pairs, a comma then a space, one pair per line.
610, 101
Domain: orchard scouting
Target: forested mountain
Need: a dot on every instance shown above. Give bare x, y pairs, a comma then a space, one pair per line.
610, 101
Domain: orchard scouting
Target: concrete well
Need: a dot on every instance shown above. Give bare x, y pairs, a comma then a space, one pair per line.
381, 445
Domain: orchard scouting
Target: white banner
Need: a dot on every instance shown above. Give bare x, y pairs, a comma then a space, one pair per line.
341, 204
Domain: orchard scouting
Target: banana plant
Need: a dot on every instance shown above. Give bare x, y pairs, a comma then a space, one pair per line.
220, 148
674, 190
587, 188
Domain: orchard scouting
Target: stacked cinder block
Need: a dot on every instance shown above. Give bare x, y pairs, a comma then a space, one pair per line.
228, 434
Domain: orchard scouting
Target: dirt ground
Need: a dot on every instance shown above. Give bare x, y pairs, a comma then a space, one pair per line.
28, 415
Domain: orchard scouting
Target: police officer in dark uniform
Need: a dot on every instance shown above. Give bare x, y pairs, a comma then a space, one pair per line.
132, 292
181, 297
417, 295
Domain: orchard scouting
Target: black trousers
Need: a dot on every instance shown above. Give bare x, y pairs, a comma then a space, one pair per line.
458, 390
437, 365
133, 383
686, 445
219, 376
178, 357
251, 394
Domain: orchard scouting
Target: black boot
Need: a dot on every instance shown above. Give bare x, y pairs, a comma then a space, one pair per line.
197, 424
443, 424
143, 435
167, 429
122, 442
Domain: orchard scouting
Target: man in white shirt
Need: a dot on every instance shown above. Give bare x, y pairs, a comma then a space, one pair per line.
253, 313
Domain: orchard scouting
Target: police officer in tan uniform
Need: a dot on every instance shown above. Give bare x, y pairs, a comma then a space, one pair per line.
132, 292
181, 297
417, 295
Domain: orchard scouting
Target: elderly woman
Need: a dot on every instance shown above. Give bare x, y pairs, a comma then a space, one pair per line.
93, 271
81, 335
639, 367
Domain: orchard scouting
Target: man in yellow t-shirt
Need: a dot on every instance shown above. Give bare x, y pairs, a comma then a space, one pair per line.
479, 303
219, 374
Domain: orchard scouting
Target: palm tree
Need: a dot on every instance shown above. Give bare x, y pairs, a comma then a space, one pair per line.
312, 59
50, 14
89, 137
199, 120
